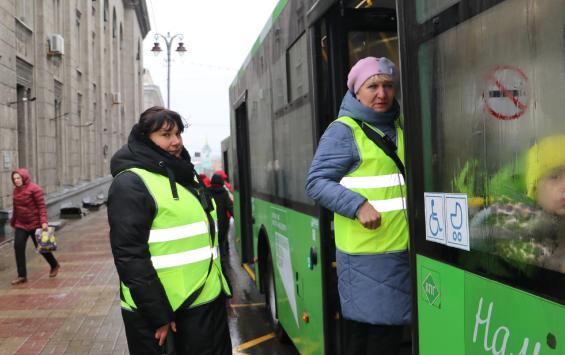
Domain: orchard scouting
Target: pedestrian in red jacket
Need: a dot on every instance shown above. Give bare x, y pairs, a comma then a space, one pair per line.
29, 213
205, 179
226, 182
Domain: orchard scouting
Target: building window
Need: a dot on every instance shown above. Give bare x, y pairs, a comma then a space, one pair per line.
105, 10
121, 36
21, 7
138, 55
79, 108
114, 24
77, 40
57, 16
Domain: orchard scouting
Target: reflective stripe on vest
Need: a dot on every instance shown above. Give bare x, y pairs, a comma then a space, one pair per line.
179, 245
392, 204
174, 233
372, 182
184, 258
376, 178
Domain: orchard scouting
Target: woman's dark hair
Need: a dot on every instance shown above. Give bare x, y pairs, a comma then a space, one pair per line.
152, 119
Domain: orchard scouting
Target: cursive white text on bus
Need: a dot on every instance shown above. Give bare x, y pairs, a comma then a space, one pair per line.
496, 344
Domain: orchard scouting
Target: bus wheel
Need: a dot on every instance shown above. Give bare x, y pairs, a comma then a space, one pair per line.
271, 300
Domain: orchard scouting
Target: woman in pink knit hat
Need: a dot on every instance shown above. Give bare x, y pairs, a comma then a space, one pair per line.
357, 172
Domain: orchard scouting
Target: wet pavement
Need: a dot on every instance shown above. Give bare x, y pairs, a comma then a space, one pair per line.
248, 315
78, 312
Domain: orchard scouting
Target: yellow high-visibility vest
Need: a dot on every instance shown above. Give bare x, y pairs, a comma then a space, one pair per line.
376, 178
180, 245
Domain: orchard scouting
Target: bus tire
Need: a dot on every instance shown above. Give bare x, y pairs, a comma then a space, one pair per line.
271, 301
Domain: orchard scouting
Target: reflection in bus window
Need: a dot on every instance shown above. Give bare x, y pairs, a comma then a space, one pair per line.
524, 219
494, 130
364, 44
426, 9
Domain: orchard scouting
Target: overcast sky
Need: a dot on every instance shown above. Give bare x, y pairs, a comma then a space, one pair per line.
218, 36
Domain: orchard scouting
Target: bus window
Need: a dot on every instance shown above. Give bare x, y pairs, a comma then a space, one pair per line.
426, 9
293, 130
495, 131
377, 44
297, 69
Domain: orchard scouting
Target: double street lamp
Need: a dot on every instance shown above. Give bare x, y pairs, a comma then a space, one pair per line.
180, 50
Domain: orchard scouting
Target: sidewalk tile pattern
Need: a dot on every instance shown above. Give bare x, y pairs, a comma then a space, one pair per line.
77, 312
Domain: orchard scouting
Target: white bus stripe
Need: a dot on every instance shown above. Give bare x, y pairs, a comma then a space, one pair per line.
180, 232
393, 204
372, 182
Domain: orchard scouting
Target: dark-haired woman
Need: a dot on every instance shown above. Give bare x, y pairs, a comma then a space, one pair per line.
164, 245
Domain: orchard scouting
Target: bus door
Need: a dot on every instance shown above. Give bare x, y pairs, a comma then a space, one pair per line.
483, 97
342, 34
244, 234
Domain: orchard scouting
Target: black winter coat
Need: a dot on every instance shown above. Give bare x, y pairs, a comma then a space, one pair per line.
131, 211
223, 206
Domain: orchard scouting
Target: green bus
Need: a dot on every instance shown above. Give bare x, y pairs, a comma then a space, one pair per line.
481, 87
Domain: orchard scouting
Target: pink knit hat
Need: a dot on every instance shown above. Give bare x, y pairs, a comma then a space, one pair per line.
366, 68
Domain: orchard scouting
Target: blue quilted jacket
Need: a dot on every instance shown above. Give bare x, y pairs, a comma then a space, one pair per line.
373, 289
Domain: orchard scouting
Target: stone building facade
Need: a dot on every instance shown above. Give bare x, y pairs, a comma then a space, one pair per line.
71, 87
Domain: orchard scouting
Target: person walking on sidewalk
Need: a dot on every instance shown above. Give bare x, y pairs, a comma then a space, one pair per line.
29, 213
163, 241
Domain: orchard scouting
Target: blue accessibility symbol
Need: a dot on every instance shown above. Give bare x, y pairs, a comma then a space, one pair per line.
456, 220
434, 223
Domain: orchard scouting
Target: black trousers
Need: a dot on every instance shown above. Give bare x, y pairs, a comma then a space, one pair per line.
369, 339
20, 241
200, 330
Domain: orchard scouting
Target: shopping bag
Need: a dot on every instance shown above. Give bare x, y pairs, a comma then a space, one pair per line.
46, 241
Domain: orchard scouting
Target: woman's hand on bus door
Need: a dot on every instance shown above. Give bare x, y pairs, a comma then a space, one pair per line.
368, 216
162, 331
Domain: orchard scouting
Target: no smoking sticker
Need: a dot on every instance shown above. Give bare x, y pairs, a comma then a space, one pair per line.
506, 92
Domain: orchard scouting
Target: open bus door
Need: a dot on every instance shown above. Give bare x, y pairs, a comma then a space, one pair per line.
242, 203
342, 34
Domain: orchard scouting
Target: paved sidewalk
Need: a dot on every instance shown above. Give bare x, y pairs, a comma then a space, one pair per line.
78, 312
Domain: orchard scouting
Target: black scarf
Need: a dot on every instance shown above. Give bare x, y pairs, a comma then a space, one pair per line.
157, 160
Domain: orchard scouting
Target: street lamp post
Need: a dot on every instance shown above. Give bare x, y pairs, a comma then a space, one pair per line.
180, 50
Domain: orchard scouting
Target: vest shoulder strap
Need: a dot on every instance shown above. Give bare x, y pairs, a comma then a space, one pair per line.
384, 143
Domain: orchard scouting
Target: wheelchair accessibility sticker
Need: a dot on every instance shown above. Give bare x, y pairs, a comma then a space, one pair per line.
435, 217
447, 219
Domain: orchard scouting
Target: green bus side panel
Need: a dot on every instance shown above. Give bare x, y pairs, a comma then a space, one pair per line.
440, 305
298, 286
502, 320
462, 313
